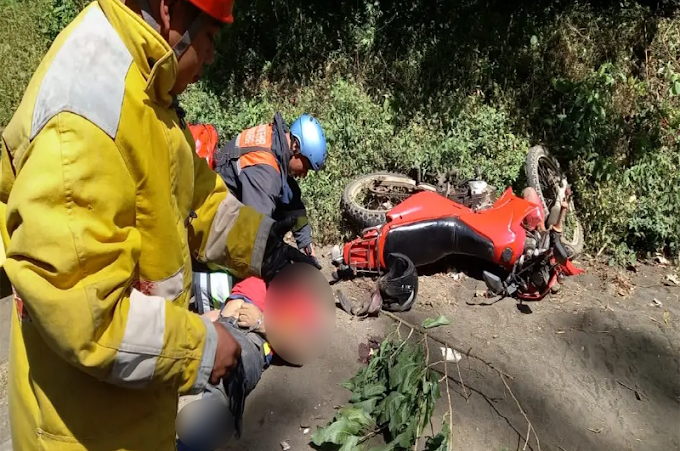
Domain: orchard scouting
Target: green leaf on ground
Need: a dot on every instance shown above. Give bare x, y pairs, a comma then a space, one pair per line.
367, 406
675, 89
440, 441
338, 432
357, 417
394, 394
349, 421
435, 322
351, 444
373, 390
386, 447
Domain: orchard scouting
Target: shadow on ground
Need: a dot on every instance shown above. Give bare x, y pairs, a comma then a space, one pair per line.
577, 382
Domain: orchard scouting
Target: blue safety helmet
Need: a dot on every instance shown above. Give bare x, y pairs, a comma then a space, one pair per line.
307, 130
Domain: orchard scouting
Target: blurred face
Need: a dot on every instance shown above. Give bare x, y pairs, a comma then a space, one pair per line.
176, 17
299, 313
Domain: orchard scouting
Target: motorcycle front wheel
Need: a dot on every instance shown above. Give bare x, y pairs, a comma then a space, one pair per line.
367, 199
544, 175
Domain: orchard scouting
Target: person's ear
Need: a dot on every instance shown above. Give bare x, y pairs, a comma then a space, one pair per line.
165, 7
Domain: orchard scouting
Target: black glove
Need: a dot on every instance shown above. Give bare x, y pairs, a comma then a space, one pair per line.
277, 254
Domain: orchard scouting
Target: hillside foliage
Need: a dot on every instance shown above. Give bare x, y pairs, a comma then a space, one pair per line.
440, 84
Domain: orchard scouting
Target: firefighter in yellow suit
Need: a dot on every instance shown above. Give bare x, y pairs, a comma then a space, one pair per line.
106, 201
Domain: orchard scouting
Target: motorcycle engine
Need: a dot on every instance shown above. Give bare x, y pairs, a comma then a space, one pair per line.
540, 277
482, 195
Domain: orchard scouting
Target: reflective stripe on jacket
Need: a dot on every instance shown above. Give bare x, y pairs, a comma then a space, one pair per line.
106, 202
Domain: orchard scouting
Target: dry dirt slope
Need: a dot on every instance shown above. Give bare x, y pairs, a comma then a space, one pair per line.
577, 360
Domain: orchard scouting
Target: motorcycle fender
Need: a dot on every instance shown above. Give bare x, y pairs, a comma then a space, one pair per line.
572, 270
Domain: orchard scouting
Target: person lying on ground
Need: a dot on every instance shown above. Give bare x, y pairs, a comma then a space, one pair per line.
242, 314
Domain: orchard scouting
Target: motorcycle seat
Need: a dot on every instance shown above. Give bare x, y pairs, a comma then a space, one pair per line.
426, 242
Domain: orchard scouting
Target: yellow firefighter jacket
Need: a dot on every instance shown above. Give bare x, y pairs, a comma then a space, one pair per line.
105, 200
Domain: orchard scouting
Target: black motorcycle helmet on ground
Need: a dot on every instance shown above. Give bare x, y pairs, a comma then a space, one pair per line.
399, 286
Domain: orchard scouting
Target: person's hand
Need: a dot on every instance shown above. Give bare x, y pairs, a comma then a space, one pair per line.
227, 354
277, 254
231, 308
309, 250
212, 315
249, 316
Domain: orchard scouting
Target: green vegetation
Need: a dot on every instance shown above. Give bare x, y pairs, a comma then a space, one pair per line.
440, 84
21, 47
393, 396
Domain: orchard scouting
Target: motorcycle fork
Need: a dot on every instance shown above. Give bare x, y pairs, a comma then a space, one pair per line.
514, 275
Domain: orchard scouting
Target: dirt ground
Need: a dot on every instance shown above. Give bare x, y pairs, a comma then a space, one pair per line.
576, 362
594, 366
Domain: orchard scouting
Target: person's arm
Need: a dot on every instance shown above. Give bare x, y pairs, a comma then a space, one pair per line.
302, 230
223, 229
303, 238
72, 255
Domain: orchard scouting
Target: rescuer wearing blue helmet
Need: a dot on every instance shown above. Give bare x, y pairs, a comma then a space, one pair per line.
261, 164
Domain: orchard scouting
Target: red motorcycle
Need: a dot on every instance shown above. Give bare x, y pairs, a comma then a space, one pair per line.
530, 240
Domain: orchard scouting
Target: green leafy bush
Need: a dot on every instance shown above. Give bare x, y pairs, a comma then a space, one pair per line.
362, 138
58, 14
440, 85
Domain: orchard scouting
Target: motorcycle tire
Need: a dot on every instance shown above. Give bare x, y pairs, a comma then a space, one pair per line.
356, 212
574, 243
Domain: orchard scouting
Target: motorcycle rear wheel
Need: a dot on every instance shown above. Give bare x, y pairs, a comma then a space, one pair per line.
543, 174
367, 199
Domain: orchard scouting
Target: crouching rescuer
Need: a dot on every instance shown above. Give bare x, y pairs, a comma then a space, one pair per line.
260, 166
106, 205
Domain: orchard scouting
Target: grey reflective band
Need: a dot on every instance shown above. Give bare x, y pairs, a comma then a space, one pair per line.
147, 16
188, 35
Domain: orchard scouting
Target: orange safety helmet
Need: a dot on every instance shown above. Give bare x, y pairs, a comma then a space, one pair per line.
218, 9
206, 138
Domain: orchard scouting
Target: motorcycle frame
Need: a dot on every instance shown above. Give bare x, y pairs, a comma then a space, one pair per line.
368, 252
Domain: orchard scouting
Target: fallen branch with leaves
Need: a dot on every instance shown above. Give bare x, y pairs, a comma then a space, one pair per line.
393, 396
470, 355
397, 387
